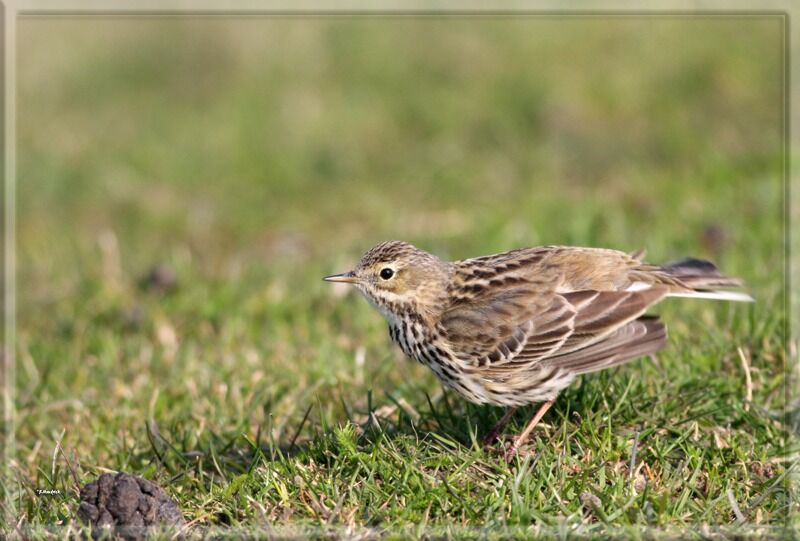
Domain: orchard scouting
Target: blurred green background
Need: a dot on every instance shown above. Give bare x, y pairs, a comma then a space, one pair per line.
247, 158
286, 142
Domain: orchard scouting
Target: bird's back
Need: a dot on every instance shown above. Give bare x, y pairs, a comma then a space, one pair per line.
524, 323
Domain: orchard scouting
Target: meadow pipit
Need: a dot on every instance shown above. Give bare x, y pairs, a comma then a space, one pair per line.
516, 328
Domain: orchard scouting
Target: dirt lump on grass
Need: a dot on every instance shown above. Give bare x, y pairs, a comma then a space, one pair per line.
128, 505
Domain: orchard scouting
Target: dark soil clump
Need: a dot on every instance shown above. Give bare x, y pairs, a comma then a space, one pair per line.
128, 505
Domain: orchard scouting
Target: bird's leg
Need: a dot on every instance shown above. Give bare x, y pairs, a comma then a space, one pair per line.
519, 440
489, 438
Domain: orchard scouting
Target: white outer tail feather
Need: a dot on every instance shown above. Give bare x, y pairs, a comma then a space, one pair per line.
736, 296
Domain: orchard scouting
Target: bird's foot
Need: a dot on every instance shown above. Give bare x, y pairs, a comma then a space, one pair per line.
511, 452
505, 446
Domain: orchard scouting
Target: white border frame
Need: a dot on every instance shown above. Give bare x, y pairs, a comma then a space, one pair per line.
11, 10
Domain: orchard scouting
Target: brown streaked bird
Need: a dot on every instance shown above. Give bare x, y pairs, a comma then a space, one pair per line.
516, 328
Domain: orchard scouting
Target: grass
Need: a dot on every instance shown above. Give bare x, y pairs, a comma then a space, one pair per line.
250, 157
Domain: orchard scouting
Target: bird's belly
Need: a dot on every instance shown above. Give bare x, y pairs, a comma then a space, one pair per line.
525, 387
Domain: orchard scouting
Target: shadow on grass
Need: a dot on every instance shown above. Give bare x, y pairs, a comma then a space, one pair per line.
445, 421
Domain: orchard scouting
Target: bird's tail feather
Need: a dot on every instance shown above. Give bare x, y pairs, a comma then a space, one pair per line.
700, 279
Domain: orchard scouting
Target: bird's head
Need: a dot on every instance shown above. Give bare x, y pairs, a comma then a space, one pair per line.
396, 276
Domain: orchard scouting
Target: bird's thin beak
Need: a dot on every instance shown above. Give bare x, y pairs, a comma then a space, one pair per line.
346, 277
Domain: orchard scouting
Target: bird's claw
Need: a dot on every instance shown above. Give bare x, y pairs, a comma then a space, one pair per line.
510, 453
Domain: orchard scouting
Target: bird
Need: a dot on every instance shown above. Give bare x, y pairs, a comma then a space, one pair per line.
516, 328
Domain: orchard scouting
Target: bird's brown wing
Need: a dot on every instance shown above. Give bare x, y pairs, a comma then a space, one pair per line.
506, 328
503, 305
642, 336
600, 313
505, 316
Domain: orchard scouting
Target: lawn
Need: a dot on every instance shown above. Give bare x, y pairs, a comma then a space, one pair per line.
184, 184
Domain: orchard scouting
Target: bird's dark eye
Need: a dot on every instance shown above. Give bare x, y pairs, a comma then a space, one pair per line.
387, 273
